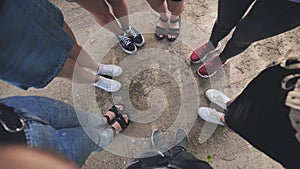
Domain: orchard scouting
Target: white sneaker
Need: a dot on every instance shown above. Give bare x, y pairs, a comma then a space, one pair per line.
109, 70
217, 97
210, 115
108, 84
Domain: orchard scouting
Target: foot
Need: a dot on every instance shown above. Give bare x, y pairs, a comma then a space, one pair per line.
106, 84
210, 68
180, 138
158, 140
108, 70
135, 36
127, 44
203, 51
120, 124
112, 113
217, 97
161, 28
211, 115
174, 28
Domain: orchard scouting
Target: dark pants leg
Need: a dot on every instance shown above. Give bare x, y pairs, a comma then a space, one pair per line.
230, 12
264, 20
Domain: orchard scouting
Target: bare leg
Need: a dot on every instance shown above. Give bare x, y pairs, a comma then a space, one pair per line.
74, 72
160, 6
120, 10
78, 54
176, 8
100, 10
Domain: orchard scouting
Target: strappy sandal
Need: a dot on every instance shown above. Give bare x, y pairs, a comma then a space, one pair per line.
118, 112
174, 31
160, 31
122, 122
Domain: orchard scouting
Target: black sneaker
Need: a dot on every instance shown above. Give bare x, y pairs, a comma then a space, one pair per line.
136, 36
158, 140
126, 44
180, 138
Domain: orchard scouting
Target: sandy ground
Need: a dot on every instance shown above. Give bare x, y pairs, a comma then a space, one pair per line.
170, 100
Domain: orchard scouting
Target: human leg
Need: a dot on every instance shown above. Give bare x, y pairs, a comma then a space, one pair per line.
51, 111
100, 10
78, 54
261, 15
229, 14
120, 10
258, 24
176, 8
74, 72
160, 6
75, 143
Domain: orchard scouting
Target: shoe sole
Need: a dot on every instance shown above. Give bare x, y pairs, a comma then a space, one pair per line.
208, 76
128, 51
209, 53
152, 136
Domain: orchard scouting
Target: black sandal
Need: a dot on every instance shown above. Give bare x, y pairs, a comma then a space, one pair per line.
117, 113
161, 31
122, 122
174, 31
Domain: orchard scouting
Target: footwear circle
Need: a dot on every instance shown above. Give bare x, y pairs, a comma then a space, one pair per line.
160, 60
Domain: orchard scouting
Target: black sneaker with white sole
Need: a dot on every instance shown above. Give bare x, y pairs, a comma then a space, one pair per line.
127, 44
181, 138
158, 141
136, 36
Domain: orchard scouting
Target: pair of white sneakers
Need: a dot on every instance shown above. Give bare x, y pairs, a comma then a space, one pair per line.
210, 114
107, 84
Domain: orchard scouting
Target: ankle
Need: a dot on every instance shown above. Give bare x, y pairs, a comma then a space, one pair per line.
222, 119
174, 17
164, 16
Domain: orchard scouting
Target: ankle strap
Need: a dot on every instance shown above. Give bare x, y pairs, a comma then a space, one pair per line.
163, 20
174, 21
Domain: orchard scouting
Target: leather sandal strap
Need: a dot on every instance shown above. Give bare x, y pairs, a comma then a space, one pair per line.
176, 20
163, 20
122, 122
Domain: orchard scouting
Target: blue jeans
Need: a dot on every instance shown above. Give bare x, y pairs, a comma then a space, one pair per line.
52, 124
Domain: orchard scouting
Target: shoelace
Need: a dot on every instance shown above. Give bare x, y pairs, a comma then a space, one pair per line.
125, 39
106, 70
105, 84
132, 32
218, 99
214, 114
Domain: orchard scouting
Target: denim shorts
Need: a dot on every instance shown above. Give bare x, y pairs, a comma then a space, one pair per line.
33, 46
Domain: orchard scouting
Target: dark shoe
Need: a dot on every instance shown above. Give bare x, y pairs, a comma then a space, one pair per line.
126, 44
136, 36
160, 32
203, 51
180, 138
158, 140
211, 67
174, 31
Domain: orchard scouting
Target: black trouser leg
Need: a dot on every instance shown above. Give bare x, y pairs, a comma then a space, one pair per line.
264, 20
230, 12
